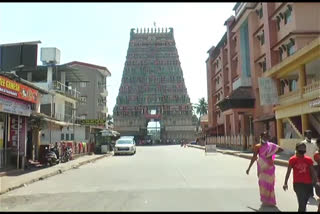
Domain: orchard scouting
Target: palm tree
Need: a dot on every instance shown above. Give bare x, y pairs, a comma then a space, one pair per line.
201, 108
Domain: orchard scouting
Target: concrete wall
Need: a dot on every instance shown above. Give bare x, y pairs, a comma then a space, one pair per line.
92, 92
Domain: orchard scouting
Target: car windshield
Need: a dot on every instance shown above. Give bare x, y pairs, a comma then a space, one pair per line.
124, 142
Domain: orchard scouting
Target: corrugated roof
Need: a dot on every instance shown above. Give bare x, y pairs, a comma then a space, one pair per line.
89, 65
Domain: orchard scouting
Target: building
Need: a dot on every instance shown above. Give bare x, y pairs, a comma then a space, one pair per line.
298, 83
93, 99
258, 39
153, 88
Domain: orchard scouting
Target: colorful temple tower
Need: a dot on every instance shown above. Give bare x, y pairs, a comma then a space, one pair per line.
153, 89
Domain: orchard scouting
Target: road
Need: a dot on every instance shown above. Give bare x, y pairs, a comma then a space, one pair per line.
157, 178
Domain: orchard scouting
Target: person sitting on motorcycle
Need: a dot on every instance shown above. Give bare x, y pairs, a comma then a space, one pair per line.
56, 149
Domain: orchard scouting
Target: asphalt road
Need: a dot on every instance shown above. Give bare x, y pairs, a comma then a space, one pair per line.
156, 178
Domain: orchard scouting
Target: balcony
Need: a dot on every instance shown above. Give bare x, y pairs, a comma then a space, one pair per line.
308, 92
289, 97
312, 90
104, 110
66, 90
104, 93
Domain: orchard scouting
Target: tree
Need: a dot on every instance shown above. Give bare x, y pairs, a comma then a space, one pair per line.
201, 108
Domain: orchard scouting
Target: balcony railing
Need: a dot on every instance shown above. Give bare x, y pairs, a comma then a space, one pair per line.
289, 96
309, 91
314, 87
58, 86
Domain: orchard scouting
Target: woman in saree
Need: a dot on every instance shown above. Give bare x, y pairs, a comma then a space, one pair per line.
266, 168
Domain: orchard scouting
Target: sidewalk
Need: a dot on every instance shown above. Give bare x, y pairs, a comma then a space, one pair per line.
17, 179
281, 158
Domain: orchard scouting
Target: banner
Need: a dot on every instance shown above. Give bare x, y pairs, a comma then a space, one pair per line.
92, 122
13, 106
268, 91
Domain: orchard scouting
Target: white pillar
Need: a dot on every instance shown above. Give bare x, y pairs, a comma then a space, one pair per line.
49, 76
63, 79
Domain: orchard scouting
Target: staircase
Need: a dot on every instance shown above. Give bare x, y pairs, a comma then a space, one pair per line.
294, 128
315, 122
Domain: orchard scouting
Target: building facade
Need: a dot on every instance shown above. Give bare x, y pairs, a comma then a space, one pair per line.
18, 100
93, 99
259, 37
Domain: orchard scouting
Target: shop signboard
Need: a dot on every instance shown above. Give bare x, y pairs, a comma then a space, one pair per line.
92, 122
17, 90
315, 103
13, 106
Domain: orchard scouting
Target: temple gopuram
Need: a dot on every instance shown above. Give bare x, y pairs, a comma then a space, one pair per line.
153, 89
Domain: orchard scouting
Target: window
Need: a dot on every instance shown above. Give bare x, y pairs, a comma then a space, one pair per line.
287, 16
62, 136
67, 136
260, 12
72, 136
290, 47
83, 99
278, 23
280, 54
264, 66
83, 84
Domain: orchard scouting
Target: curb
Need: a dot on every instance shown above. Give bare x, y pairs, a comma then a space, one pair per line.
59, 171
247, 156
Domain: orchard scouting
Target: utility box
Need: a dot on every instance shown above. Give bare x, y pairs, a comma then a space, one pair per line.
50, 56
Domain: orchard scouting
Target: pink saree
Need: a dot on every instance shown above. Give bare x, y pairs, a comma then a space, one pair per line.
266, 172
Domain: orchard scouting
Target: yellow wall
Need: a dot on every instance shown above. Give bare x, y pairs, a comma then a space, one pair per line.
289, 144
295, 110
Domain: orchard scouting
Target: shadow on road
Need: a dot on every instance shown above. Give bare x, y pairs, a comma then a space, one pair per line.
266, 209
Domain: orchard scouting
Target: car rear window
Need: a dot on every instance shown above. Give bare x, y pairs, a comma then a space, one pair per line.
124, 142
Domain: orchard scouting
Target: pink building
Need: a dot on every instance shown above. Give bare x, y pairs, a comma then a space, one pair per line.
258, 37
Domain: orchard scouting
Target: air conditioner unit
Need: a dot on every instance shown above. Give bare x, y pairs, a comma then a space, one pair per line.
50, 56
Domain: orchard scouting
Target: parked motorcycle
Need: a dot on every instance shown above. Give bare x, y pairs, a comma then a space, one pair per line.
67, 155
51, 156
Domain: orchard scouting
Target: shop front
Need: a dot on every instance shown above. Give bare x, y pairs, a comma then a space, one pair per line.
16, 102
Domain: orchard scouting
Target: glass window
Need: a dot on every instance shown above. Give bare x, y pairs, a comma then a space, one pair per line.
278, 23
264, 66
83, 84
287, 16
290, 48
260, 13
62, 136
262, 38
72, 136
83, 99
67, 136
280, 54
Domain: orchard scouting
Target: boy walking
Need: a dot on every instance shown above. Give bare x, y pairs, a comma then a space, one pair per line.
304, 176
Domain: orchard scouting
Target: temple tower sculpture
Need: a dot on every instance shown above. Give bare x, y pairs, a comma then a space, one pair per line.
153, 89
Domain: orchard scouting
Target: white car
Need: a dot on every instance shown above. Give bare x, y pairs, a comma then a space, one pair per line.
125, 145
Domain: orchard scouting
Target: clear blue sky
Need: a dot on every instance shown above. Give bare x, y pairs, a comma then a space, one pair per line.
98, 33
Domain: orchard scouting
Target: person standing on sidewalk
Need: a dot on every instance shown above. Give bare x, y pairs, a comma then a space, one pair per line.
266, 168
304, 175
311, 149
316, 157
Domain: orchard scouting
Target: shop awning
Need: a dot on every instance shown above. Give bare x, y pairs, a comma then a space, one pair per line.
60, 123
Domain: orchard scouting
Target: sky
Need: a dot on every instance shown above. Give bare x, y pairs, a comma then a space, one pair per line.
99, 33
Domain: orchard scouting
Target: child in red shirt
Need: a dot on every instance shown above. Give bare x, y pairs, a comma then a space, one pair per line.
304, 176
